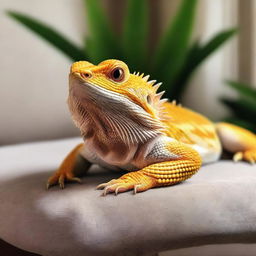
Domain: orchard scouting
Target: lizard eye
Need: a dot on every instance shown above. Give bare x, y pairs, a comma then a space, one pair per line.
117, 74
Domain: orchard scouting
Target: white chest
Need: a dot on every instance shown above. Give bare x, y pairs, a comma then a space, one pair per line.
112, 155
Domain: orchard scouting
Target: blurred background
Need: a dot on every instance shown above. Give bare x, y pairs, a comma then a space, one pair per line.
34, 75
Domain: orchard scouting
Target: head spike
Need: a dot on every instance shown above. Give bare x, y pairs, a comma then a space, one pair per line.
156, 86
160, 94
163, 100
145, 78
151, 82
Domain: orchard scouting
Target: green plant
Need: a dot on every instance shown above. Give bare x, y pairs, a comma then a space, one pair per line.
243, 108
174, 60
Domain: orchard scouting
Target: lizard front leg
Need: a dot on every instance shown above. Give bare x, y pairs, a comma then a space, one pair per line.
66, 169
174, 162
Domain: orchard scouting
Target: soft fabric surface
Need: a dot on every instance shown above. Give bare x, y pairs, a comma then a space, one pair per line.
215, 206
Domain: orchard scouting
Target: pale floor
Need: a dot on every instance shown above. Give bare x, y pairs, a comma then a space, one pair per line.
215, 250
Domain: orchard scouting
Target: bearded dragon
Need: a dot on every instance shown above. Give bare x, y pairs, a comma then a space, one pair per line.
126, 125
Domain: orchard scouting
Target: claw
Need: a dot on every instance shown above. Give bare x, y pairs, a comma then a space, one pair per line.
135, 189
110, 189
116, 191
61, 182
105, 191
138, 182
61, 179
102, 185
76, 179
51, 182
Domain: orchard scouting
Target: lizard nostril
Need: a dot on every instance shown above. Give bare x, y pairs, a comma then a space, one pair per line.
86, 74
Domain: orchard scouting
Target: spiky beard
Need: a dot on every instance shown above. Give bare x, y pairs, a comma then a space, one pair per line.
107, 114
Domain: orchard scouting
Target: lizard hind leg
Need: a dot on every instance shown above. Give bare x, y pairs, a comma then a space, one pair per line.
238, 140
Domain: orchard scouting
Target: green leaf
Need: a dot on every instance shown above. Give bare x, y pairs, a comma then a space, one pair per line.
242, 108
172, 48
50, 35
135, 32
103, 43
243, 89
242, 123
196, 55
213, 44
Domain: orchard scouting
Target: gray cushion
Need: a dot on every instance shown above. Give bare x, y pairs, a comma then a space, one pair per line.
215, 206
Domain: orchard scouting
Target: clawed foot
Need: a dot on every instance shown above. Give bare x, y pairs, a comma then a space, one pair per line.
116, 187
61, 178
129, 181
248, 156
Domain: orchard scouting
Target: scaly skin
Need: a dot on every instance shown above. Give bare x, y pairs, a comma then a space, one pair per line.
126, 125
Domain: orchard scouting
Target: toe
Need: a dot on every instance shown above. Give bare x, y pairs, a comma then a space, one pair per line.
136, 189
123, 188
135, 180
103, 185
250, 156
141, 188
119, 187
72, 178
48, 185
53, 180
62, 181
75, 179
109, 189
238, 156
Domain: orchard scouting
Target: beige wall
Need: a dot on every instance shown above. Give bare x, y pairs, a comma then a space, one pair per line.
33, 81
208, 84
247, 41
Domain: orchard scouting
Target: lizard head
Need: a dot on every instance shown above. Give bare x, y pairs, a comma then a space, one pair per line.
111, 89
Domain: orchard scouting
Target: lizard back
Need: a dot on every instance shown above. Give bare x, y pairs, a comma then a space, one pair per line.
190, 127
